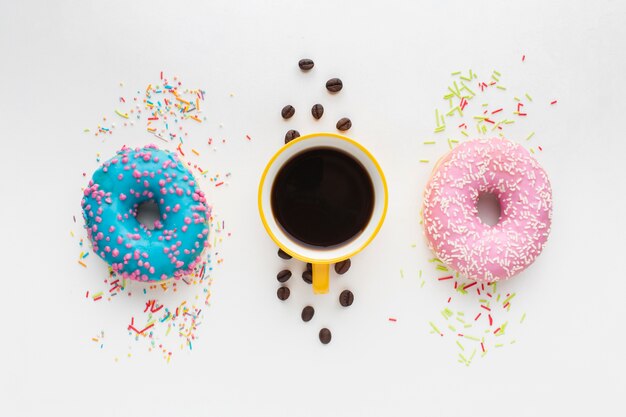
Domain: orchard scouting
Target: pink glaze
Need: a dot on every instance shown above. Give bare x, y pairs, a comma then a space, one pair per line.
453, 229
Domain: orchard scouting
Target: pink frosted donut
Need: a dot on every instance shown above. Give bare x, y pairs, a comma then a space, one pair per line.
454, 231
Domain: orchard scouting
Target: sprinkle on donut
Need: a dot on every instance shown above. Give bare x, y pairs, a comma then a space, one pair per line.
453, 229
174, 246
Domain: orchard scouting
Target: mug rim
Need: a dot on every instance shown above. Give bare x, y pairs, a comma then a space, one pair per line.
376, 228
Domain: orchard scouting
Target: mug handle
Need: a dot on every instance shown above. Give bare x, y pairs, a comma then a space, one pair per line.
321, 274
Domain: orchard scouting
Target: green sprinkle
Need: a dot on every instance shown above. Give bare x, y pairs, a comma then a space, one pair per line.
463, 358
456, 87
508, 122
439, 129
420, 274
496, 79
442, 268
460, 345
472, 75
437, 117
480, 117
454, 92
456, 73
471, 338
500, 87
516, 99
497, 73
530, 136
499, 345
434, 260
528, 97
451, 327
509, 298
472, 356
434, 327
424, 161
531, 150
513, 341
454, 141
422, 284
460, 320
401, 273
467, 326
523, 318
468, 89
498, 297
465, 78
485, 104
449, 144
460, 313
484, 129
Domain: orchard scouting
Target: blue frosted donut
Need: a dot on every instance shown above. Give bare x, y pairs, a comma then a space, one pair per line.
174, 247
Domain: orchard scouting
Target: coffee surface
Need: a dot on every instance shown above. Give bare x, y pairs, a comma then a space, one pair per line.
322, 197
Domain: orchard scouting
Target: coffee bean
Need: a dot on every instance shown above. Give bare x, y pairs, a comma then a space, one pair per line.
334, 85
283, 293
346, 298
306, 64
307, 276
288, 111
344, 123
307, 313
291, 135
343, 266
325, 336
309, 267
317, 111
283, 275
282, 254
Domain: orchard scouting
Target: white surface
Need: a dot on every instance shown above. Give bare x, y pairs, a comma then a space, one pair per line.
61, 66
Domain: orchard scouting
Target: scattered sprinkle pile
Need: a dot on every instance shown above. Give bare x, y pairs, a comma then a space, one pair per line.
468, 113
164, 107
485, 325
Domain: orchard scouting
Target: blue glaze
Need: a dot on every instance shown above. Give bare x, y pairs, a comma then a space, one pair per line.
175, 245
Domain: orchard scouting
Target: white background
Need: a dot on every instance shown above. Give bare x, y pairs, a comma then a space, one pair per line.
61, 64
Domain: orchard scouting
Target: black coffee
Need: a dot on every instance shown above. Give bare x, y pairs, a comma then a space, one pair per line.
322, 197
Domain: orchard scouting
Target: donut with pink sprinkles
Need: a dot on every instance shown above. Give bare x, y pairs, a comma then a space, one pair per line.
453, 229
173, 247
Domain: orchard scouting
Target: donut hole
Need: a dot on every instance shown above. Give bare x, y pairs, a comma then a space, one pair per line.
147, 213
488, 207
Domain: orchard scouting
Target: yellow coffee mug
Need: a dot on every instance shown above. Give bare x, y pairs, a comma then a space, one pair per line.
322, 257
